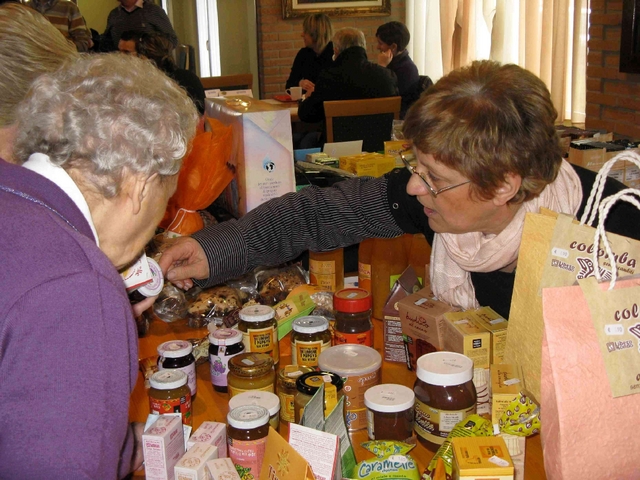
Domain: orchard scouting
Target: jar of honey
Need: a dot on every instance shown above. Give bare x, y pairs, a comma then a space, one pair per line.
287, 390
310, 337
326, 269
260, 330
251, 371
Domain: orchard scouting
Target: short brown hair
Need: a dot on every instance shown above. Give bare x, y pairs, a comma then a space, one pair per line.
487, 120
319, 28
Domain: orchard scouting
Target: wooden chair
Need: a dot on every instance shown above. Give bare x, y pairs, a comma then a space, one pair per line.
369, 120
228, 82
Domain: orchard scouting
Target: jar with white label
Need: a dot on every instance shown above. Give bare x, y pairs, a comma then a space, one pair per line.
247, 430
445, 395
178, 354
310, 337
268, 400
390, 412
260, 330
224, 343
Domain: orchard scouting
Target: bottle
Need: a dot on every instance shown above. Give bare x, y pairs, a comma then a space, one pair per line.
388, 261
419, 255
364, 264
326, 269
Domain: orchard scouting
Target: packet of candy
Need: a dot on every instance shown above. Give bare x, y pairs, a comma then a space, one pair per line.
441, 465
391, 462
521, 417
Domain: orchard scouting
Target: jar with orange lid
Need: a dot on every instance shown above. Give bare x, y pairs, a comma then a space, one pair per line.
250, 371
353, 317
259, 329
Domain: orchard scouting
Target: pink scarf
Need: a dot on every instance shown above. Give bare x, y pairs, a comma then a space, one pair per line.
453, 256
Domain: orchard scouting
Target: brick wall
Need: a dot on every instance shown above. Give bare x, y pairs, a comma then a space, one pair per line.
280, 40
613, 98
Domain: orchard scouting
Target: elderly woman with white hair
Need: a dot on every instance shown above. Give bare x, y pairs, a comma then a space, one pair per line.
101, 143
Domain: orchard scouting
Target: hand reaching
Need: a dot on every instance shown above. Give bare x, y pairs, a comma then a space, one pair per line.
183, 260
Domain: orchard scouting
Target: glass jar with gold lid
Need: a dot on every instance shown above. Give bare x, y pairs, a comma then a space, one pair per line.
259, 329
310, 337
309, 383
287, 390
251, 371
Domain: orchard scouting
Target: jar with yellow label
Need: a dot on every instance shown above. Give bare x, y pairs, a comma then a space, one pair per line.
309, 383
287, 390
260, 330
251, 371
310, 337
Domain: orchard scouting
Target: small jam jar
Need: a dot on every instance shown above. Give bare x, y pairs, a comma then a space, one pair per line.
353, 317
287, 390
251, 371
309, 383
445, 395
151, 289
389, 412
169, 393
247, 430
260, 330
177, 354
268, 400
310, 337
224, 343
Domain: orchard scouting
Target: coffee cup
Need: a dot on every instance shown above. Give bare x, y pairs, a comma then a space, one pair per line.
295, 93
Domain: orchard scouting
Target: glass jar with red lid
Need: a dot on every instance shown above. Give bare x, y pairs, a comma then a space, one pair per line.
353, 317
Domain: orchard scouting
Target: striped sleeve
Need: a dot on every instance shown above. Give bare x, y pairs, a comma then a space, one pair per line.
314, 218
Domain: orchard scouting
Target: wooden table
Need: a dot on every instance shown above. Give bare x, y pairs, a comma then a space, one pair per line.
211, 405
291, 106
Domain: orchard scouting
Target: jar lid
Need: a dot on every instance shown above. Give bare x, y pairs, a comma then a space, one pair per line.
154, 287
268, 400
250, 364
175, 349
168, 379
444, 368
350, 359
389, 398
309, 383
310, 324
225, 336
247, 417
257, 313
352, 300
290, 373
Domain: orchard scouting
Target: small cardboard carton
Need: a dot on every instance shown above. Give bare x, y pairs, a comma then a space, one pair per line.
506, 382
463, 335
162, 447
212, 433
492, 322
481, 458
422, 320
222, 469
192, 465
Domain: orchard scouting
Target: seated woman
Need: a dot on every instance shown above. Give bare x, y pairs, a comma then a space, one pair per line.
393, 38
316, 55
158, 48
487, 153
101, 143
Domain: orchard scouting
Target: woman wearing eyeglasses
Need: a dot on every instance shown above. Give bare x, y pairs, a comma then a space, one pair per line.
487, 152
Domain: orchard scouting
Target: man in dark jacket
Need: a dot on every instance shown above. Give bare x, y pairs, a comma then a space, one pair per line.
351, 77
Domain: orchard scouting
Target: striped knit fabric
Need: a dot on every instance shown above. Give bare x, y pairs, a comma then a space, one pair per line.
66, 17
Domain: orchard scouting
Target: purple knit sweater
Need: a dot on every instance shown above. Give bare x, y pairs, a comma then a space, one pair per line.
68, 342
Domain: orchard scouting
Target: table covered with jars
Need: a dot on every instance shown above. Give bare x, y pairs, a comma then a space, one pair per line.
210, 403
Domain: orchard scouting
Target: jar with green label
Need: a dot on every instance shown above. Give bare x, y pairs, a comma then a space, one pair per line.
260, 330
310, 337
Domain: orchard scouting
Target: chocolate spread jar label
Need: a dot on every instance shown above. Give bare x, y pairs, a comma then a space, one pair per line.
354, 390
434, 425
263, 340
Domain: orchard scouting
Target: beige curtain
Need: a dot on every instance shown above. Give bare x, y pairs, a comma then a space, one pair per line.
547, 37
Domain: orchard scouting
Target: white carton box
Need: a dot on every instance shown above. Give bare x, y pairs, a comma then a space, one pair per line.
192, 464
222, 469
212, 433
162, 447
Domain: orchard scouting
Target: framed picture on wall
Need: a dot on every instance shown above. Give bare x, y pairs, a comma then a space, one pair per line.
343, 8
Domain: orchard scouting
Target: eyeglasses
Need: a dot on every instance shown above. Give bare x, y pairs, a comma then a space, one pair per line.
422, 176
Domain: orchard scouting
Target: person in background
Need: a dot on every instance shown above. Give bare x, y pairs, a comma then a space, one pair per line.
158, 48
66, 17
128, 42
138, 15
487, 153
393, 38
100, 143
316, 55
29, 46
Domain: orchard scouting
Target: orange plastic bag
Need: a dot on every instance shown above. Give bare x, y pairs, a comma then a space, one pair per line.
206, 172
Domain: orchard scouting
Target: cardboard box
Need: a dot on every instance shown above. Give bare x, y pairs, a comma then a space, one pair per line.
212, 433
222, 469
422, 320
463, 335
192, 465
394, 148
481, 458
506, 382
162, 447
262, 151
294, 468
368, 164
491, 321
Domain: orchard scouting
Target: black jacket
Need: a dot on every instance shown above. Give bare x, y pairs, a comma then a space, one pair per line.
351, 77
307, 65
408, 79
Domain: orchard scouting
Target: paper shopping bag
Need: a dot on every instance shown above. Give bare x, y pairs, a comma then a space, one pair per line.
587, 430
